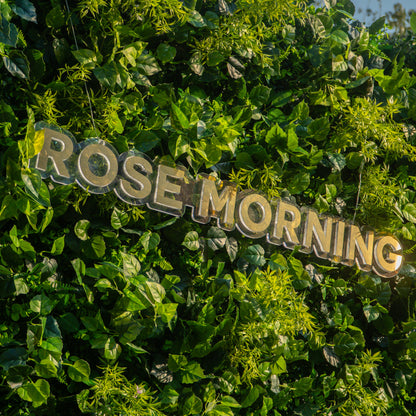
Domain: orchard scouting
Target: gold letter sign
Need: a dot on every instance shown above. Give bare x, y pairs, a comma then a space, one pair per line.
97, 167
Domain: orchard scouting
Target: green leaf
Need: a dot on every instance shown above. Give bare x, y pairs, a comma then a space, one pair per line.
231, 245
169, 395
302, 386
13, 236
176, 362
103, 284
131, 266
348, 6
12, 357
409, 231
87, 58
81, 229
114, 122
55, 18
133, 51
34, 335
409, 213
21, 288
180, 146
147, 65
339, 64
53, 345
302, 280
300, 112
178, 116
354, 160
276, 136
282, 98
330, 3
215, 58
150, 240
192, 373
69, 323
146, 140
344, 343
250, 397
371, 313
170, 280
80, 371
331, 357
255, 255
377, 25
107, 75
58, 246
46, 369
337, 161
192, 405
213, 155
112, 350
61, 50
32, 178
340, 36
292, 141
96, 247
299, 183
195, 19
52, 328
413, 22
167, 311
17, 64
384, 324
27, 248
165, 52
24, 9
41, 304
155, 292
37, 393
216, 238
259, 95
119, 218
230, 402
8, 33
79, 267
195, 63
319, 128
37, 65
44, 200
191, 241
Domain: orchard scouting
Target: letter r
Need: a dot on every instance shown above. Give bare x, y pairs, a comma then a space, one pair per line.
57, 147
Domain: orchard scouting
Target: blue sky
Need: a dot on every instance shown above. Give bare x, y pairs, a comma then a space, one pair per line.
386, 6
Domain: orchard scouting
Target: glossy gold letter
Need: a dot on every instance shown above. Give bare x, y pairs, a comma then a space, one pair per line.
254, 215
167, 197
286, 221
57, 147
339, 237
98, 172
387, 260
135, 187
358, 250
210, 204
317, 236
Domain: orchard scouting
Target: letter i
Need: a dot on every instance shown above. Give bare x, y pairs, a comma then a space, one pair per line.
338, 247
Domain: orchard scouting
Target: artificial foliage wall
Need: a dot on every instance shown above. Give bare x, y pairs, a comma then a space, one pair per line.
109, 308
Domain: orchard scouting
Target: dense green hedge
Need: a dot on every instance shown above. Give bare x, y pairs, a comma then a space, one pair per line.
112, 309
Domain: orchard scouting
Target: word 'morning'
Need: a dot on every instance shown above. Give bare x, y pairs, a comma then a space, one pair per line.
97, 167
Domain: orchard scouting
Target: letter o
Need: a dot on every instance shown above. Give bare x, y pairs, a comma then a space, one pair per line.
84, 166
254, 228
